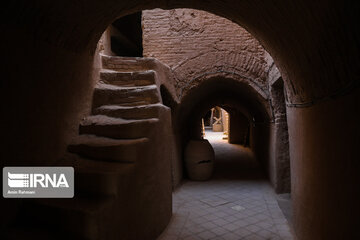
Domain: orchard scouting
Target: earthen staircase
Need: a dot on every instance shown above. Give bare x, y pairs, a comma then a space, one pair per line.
126, 110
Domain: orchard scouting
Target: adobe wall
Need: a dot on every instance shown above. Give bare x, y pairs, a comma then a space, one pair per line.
198, 46
195, 43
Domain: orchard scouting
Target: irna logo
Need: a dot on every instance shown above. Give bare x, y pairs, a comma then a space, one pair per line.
38, 182
22, 180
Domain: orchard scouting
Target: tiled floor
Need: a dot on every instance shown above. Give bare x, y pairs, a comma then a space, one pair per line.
237, 203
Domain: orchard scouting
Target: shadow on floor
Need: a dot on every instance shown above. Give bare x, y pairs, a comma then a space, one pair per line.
285, 204
233, 161
236, 162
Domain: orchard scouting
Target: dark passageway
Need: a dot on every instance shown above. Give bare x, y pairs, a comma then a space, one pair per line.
233, 161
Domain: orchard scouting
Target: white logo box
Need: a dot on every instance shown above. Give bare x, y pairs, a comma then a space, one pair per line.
38, 182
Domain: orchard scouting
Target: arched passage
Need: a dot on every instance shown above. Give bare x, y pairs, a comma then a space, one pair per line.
315, 45
229, 94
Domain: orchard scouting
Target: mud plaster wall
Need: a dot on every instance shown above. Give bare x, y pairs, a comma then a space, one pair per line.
195, 43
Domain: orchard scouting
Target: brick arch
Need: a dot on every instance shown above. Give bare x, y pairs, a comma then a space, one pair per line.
241, 67
222, 88
227, 93
77, 28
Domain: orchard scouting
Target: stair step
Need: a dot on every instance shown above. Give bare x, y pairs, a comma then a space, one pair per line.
130, 112
75, 217
99, 183
107, 94
142, 78
77, 161
127, 64
107, 149
95, 183
97, 178
117, 128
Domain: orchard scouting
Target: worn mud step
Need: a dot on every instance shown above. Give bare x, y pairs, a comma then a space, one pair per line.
107, 149
107, 94
77, 218
142, 78
117, 128
95, 183
97, 178
92, 182
127, 64
131, 112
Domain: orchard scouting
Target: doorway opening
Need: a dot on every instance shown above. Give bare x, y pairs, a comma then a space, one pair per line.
228, 131
215, 124
126, 36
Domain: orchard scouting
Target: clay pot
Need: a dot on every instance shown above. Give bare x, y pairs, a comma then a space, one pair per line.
199, 159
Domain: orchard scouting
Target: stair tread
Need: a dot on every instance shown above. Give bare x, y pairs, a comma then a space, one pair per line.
107, 149
93, 140
131, 112
122, 77
128, 64
135, 72
118, 128
84, 165
105, 120
106, 86
105, 94
116, 107
127, 59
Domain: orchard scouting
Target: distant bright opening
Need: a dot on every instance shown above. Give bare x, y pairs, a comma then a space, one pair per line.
215, 125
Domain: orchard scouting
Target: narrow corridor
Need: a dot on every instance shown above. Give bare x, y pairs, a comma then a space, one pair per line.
237, 203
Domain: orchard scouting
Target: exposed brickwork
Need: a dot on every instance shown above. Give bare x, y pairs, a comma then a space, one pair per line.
197, 43
199, 46
237, 66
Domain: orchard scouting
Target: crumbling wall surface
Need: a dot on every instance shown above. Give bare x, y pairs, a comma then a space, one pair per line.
279, 157
196, 43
